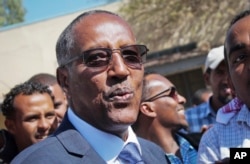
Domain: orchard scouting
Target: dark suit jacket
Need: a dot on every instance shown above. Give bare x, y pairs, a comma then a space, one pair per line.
67, 146
9, 151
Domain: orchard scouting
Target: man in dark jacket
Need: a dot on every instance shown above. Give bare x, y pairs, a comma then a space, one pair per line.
101, 71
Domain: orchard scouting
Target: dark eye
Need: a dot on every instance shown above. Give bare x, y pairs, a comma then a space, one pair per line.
172, 92
31, 118
97, 58
50, 115
57, 105
131, 56
239, 58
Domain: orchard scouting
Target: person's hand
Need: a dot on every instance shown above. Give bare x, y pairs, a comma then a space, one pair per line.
204, 128
223, 161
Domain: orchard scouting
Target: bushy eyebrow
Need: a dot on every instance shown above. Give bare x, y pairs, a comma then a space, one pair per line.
237, 47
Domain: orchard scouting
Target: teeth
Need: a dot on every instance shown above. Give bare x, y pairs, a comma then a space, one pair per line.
180, 109
122, 97
41, 137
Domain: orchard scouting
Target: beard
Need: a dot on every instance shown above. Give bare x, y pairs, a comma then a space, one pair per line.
225, 99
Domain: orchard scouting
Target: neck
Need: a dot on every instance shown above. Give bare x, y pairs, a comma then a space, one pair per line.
161, 136
215, 104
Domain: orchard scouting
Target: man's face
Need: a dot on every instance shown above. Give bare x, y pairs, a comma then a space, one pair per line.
108, 99
34, 119
218, 80
169, 110
238, 53
60, 101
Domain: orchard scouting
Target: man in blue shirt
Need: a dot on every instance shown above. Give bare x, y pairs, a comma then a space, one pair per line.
216, 77
161, 116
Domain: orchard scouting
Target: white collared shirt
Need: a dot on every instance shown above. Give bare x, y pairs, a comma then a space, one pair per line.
216, 141
107, 145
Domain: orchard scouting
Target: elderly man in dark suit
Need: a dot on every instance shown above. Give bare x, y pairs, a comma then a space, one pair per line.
101, 71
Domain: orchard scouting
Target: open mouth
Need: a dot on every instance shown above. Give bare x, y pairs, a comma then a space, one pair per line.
180, 109
41, 137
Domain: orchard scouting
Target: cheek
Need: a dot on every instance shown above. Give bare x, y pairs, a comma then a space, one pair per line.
26, 128
138, 83
53, 123
167, 108
81, 82
181, 114
60, 112
237, 74
214, 82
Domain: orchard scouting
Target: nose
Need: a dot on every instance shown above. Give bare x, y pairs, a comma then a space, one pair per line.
44, 124
117, 66
181, 99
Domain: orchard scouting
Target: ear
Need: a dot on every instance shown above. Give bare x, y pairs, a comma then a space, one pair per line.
146, 109
62, 78
10, 125
207, 78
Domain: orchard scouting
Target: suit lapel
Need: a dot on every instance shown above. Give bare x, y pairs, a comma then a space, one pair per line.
75, 144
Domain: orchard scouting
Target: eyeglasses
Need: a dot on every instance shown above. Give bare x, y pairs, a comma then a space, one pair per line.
172, 94
99, 58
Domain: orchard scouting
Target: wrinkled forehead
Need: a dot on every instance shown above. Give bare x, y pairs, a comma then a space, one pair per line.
103, 21
238, 36
103, 30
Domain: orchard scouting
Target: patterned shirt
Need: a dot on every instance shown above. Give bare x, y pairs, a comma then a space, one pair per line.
215, 143
188, 153
200, 115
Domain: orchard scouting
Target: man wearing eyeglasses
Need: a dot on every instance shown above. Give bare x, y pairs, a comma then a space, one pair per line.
101, 71
162, 116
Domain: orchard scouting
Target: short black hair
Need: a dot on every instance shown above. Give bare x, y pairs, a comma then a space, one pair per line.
237, 17
26, 88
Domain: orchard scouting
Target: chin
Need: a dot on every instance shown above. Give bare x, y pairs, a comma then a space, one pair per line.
124, 118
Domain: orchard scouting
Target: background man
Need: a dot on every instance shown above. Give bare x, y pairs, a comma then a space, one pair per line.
29, 117
162, 116
60, 98
215, 76
232, 127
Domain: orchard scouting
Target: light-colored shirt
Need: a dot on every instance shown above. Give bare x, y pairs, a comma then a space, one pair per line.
188, 153
215, 144
200, 115
107, 145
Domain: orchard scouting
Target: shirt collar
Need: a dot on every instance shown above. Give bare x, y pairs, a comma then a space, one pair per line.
111, 145
209, 109
185, 147
244, 115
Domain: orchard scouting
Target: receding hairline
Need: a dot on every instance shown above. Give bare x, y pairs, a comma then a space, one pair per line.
66, 42
93, 13
104, 15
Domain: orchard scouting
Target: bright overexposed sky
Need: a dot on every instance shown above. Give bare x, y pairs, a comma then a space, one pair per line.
37, 10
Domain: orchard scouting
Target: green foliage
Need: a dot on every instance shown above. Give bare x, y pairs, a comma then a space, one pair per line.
164, 24
11, 12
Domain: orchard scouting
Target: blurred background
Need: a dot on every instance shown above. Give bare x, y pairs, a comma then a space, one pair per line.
179, 34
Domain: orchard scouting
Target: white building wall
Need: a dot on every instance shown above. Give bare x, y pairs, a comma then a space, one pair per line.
30, 49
